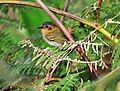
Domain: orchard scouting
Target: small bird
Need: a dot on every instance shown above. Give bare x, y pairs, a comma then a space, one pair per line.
52, 34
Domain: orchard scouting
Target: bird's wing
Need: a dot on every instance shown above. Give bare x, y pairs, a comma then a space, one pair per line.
59, 39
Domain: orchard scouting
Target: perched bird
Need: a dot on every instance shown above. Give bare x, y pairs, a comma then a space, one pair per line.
52, 34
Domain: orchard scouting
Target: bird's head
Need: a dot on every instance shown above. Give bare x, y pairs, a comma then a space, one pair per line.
47, 28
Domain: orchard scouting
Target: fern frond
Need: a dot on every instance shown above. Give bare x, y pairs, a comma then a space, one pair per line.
116, 56
6, 43
66, 84
85, 85
6, 20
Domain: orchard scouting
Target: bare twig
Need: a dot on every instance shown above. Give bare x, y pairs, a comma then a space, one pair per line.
67, 34
98, 10
65, 9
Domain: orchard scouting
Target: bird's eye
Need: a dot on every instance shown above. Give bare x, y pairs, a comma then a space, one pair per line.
46, 26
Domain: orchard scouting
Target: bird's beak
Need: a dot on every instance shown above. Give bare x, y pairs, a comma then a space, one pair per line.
39, 27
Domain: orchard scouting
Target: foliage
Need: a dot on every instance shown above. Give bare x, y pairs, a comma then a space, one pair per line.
116, 56
65, 84
27, 62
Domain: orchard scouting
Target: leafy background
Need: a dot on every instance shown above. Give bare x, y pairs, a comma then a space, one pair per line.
21, 68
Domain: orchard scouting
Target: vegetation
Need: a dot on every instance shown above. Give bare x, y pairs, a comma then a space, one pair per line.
91, 63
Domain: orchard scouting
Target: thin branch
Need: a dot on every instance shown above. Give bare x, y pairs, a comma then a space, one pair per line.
67, 34
103, 31
98, 10
65, 9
